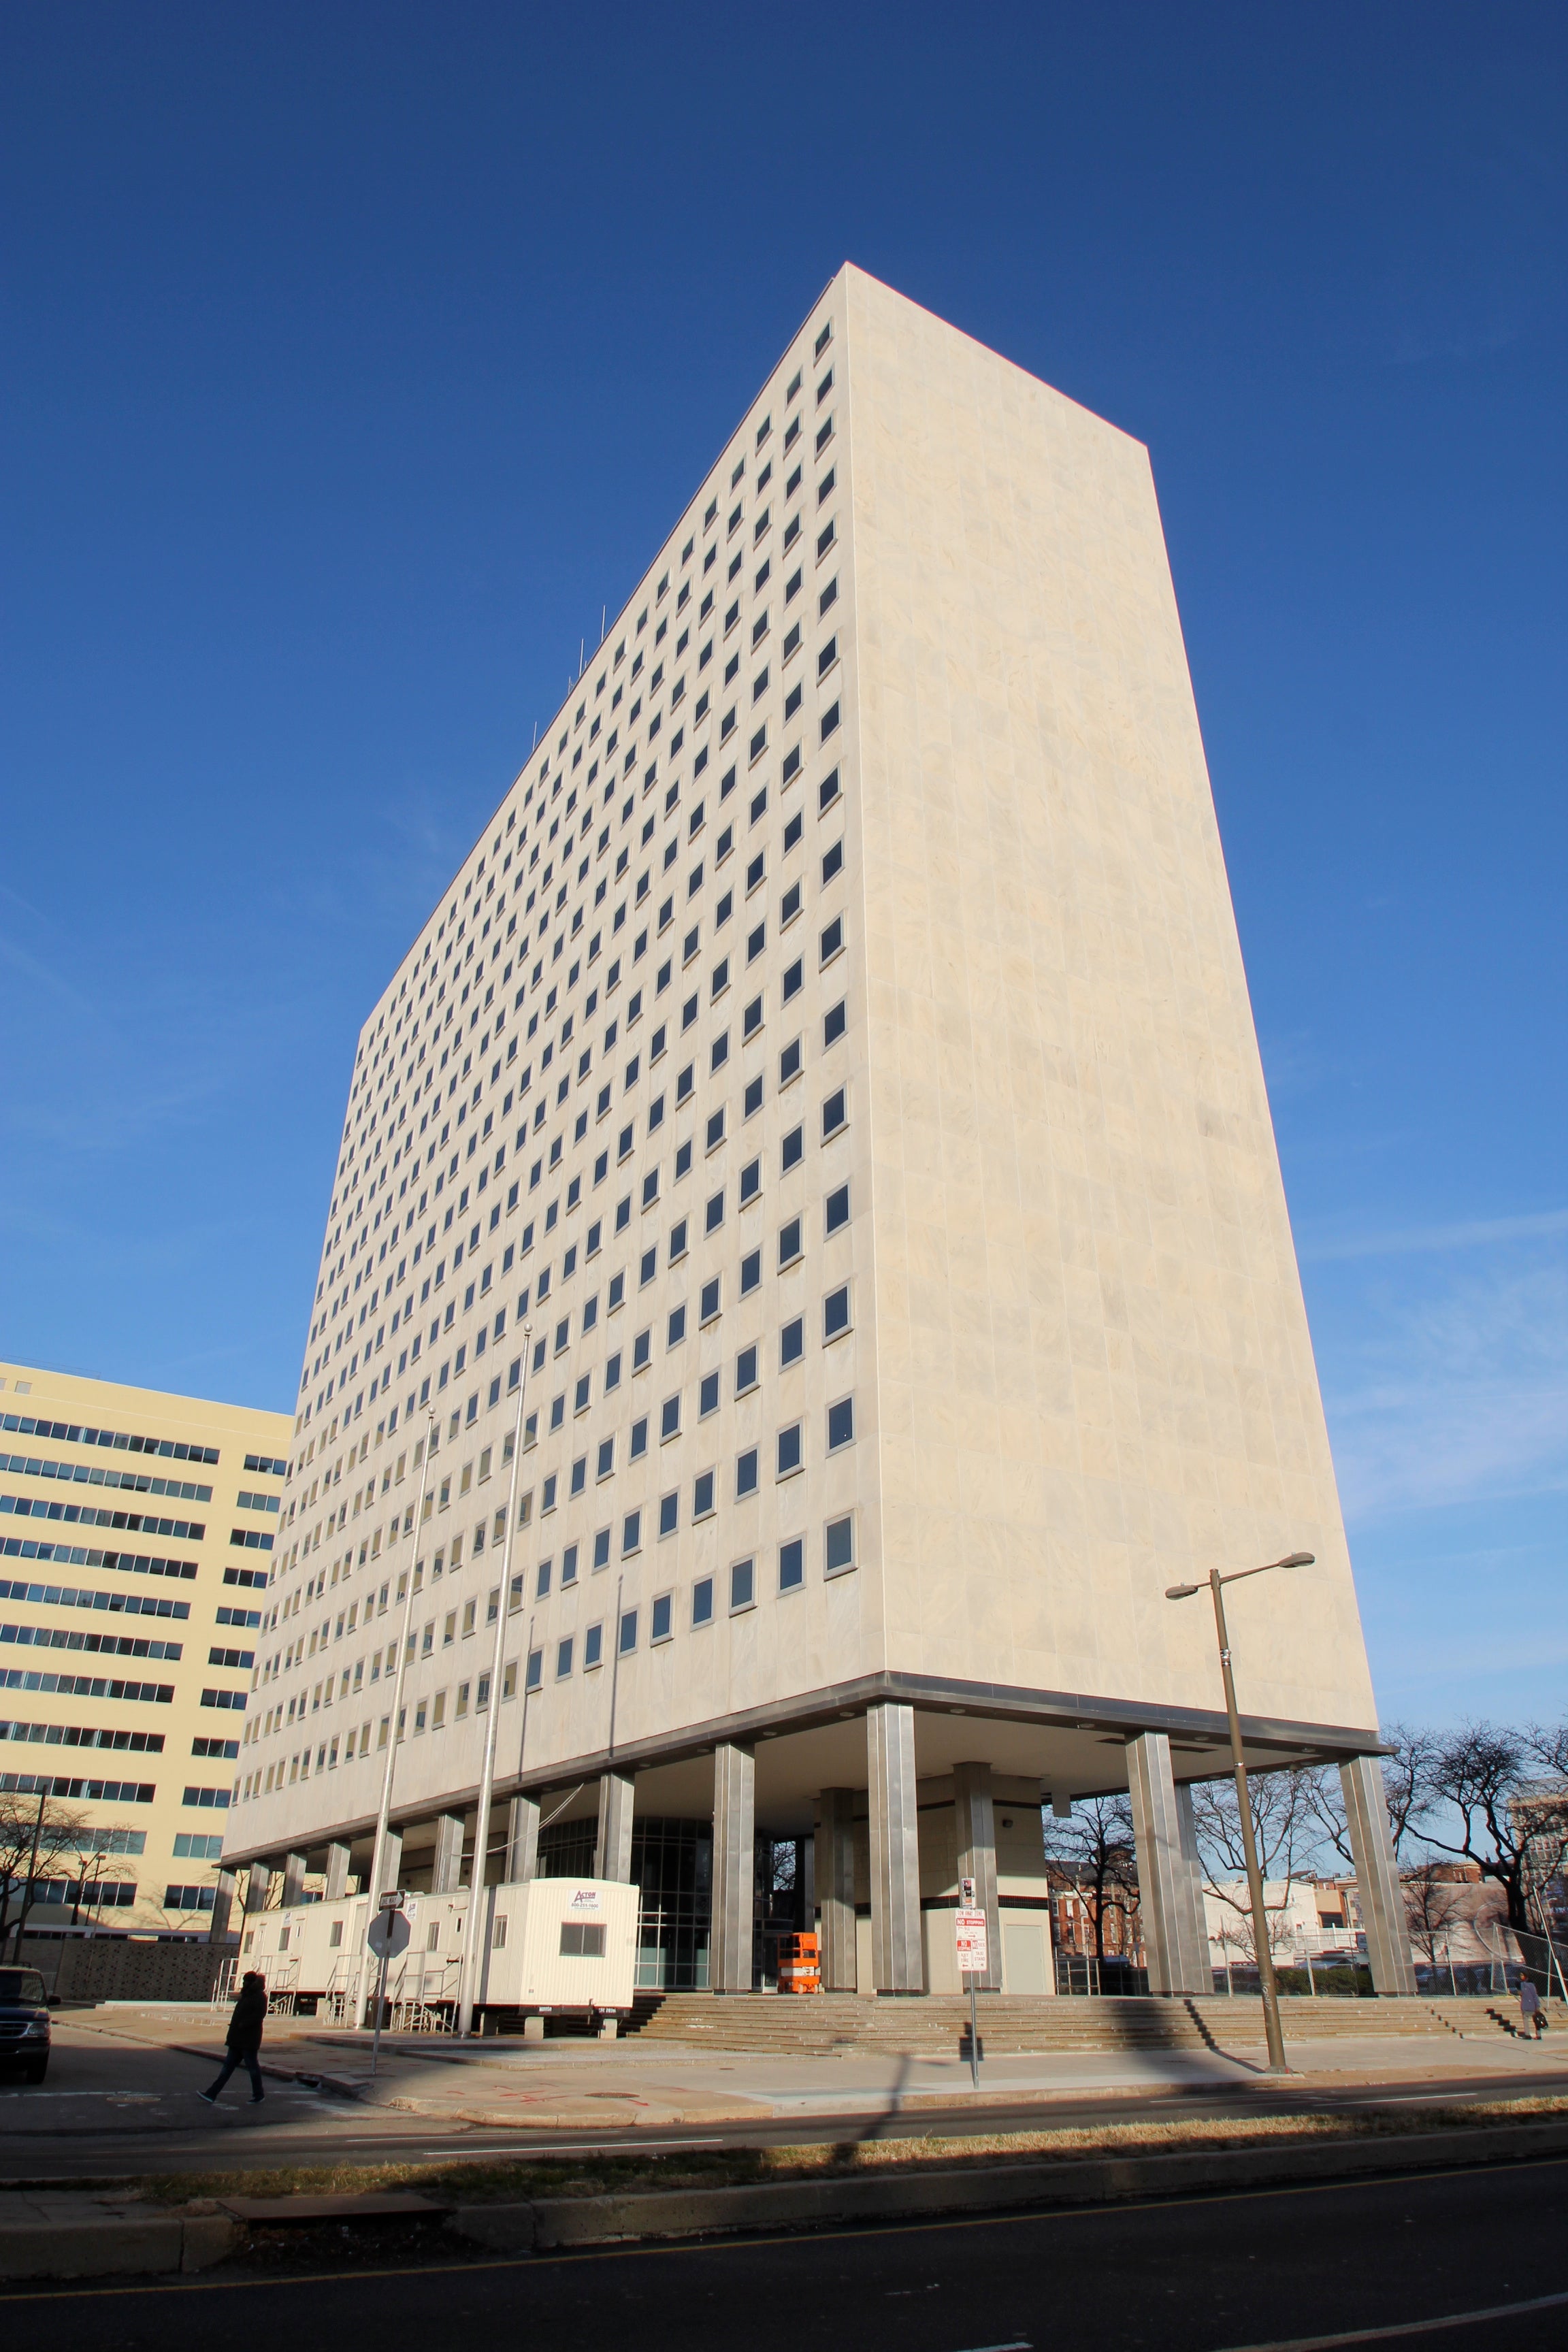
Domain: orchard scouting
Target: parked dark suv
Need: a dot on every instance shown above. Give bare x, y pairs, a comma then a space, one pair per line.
24, 2022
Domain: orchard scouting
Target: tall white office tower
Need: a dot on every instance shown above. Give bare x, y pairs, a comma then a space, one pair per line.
837, 1052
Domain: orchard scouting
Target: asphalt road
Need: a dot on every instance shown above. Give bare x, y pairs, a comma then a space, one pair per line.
1295, 2270
121, 2108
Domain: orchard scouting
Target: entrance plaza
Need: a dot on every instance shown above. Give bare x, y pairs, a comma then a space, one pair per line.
807, 1257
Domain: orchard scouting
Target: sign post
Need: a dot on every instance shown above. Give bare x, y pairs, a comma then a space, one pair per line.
970, 1935
388, 1936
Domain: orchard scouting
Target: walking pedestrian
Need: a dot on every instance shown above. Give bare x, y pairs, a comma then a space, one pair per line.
243, 2040
1529, 2006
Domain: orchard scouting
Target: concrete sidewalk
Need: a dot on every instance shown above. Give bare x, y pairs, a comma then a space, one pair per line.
584, 2086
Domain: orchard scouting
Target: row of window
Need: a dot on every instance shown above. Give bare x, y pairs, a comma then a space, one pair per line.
739, 1588
77, 1735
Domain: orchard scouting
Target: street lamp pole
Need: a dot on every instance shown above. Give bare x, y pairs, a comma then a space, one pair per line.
384, 1810
1266, 1978
469, 1968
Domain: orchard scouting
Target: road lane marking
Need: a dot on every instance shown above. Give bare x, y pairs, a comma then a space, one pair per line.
1403, 2327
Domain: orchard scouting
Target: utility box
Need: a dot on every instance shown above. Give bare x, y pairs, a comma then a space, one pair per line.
560, 1945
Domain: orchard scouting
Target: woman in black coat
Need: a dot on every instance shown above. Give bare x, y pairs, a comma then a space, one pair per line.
243, 2040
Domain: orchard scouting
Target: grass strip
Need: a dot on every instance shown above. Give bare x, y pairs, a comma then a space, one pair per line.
512, 2180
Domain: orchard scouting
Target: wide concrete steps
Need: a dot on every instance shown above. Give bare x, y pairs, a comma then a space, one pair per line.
922, 2026
933, 2025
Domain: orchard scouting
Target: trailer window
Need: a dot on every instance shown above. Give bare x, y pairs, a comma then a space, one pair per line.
580, 1940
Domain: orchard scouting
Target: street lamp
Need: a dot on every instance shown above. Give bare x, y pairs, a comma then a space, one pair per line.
1249, 1842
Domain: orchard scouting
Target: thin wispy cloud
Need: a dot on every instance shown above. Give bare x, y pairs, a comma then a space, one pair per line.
1465, 1397
1473, 1234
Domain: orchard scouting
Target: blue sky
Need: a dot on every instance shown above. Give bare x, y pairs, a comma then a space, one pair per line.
356, 357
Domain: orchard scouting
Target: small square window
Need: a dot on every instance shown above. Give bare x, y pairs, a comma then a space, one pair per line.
789, 1242
580, 1396
746, 1474
669, 1514
642, 1347
542, 1585
751, 1272
745, 1370
602, 1549
659, 1627
628, 1630
828, 791
792, 1565
678, 1242
703, 1601
841, 1423
833, 1114
840, 1545
793, 830
710, 1301
789, 905
702, 1495
751, 1023
794, 1149
837, 1208
791, 1342
832, 863
750, 1181
669, 1419
580, 1474
716, 1130
794, 980
833, 1026
612, 1374
563, 1658
832, 940
677, 1328
631, 1532
789, 1063
789, 1450
535, 1678
743, 1585
607, 1462
639, 1439
708, 1395
836, 1312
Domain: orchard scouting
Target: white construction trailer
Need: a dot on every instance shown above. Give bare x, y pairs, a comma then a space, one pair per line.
553, 1947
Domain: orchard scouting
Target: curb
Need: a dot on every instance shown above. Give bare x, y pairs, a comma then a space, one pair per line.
111, 2243
545, 2223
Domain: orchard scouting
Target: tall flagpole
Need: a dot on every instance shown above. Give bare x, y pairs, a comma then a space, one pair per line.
487, 1771
378, 1850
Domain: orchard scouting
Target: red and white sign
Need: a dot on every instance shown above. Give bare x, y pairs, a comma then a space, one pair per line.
969, 1932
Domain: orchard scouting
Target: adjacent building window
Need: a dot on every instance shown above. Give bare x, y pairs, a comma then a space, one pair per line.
743, 1585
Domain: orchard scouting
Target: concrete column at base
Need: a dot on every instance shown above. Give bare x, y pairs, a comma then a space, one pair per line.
614, 1849
1382, 1897
446, 1863
735, 1869
834, 1870
293, 1880
337, 1871
390, 1872
897, 1964
1188, 1827
223, 1904
976, 1819
521, 1839
1164, 1882
258, 1881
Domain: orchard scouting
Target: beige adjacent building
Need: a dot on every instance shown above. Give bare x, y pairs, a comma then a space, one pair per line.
137, 1535
830, 1083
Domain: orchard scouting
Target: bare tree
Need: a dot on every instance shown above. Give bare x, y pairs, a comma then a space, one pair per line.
1433, 1905
1411, 1750
1094, 1854
1504, 1794
56, 1829
1289, 1829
